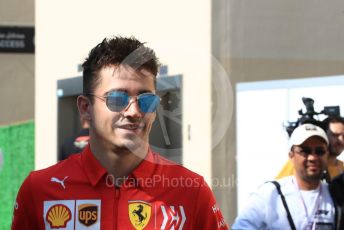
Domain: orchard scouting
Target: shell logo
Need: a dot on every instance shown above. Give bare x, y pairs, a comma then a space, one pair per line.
58, 216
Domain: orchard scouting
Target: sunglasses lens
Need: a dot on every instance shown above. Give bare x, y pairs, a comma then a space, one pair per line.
306, 150
148, 103
320, 151
117, 101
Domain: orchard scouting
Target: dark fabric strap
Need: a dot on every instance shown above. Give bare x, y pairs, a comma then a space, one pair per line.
290, 219
336, 187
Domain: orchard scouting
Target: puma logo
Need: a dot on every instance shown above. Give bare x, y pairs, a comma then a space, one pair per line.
54, 179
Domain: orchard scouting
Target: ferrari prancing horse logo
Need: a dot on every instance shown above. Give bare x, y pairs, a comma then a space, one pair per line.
139, 213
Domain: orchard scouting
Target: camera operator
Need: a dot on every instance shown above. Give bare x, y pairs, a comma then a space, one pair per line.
335, 133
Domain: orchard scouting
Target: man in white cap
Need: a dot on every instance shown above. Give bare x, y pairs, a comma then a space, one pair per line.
300, 201
334, 126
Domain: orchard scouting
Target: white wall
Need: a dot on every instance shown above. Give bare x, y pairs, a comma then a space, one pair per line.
178, 30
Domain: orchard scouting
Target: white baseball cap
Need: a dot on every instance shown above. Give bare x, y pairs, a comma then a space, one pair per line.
305, 131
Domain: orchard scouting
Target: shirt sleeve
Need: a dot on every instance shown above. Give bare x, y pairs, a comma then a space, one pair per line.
23, 214
254, 214
208, 215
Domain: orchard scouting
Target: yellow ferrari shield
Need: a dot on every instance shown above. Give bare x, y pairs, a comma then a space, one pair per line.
139, 213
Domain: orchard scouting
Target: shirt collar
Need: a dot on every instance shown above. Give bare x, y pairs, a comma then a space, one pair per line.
92, 167
145, 169
95, 171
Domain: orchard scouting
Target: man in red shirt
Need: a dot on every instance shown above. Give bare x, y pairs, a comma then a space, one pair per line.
117, 182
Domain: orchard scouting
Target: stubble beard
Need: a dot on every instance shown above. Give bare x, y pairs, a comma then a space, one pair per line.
336, 151
312, 177
135, 144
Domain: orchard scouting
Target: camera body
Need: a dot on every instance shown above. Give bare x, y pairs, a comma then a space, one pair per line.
308, 116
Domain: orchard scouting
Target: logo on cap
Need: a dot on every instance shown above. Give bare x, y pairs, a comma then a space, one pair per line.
88, 214
309, 127
58, 216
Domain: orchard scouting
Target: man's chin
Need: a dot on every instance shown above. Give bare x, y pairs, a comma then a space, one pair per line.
314, 176
128, 144
133, 143
337, 152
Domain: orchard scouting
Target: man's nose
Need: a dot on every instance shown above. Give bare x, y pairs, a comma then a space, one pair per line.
313, 156
133, 109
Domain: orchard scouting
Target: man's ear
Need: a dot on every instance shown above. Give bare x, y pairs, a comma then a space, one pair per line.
84, 107
291, 154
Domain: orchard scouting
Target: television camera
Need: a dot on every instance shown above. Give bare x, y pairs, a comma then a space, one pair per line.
308, 115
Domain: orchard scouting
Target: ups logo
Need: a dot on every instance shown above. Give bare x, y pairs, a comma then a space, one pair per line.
87, 214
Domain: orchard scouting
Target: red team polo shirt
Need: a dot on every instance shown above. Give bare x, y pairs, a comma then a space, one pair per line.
77, 193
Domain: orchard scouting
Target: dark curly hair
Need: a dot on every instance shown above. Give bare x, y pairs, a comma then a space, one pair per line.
332, 119
114, 51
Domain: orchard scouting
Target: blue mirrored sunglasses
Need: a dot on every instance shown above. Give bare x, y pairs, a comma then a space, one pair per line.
116, 101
